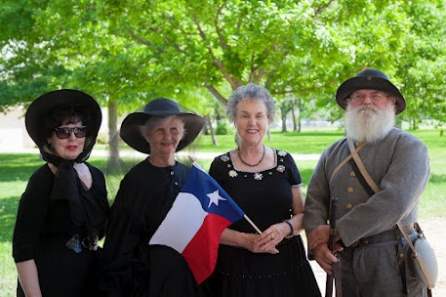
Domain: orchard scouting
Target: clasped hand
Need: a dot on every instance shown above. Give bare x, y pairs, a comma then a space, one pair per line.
268, 240
318, 244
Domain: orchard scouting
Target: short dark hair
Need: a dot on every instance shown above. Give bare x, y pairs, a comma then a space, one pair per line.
65, 114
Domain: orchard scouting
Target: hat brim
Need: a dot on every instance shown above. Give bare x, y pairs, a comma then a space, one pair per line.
131, 132
42, 106
374, 83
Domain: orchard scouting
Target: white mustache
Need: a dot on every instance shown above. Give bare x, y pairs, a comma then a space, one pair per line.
367, 109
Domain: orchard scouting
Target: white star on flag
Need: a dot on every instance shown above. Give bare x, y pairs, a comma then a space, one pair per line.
214, 197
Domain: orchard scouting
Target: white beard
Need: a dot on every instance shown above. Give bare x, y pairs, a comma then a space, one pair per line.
369, 124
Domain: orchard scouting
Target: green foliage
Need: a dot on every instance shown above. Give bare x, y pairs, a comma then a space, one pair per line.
131, 51
222, 128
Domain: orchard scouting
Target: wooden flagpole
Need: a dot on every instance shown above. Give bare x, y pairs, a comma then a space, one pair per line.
252, 224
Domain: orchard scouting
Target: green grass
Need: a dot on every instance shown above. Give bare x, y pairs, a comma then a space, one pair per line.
15, 170
307, 142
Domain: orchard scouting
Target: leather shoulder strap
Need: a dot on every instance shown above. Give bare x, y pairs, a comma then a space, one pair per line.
374, 187
345, 161
361, 167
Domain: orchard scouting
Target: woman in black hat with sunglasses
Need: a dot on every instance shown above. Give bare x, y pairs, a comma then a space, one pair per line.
145, 195
63, 211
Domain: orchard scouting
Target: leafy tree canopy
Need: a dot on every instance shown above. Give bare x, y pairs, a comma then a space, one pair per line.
129, 51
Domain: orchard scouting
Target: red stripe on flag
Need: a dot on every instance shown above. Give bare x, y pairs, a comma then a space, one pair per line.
201, 252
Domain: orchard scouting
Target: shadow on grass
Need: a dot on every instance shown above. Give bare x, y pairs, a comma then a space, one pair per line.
438, 178
18, 167
126, 165
8, 210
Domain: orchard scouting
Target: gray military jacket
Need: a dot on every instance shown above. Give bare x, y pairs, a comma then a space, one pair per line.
398, 163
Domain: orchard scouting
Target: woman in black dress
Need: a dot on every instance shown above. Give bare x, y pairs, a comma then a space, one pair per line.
145, 195
265, 184
63, 211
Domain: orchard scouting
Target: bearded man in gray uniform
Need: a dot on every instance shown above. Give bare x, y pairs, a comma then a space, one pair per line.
374, 258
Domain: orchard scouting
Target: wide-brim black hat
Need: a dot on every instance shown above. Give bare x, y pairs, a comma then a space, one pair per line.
131, 131
41, 107
373, 79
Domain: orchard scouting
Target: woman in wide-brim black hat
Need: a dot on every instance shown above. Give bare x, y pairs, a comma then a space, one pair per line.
63, 211
147, 192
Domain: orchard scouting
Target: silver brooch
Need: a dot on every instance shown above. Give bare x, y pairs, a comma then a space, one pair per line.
224, 158
258, 176
232, 173
280, 168
282, 153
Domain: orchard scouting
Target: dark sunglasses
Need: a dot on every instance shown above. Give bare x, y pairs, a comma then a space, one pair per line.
65, 132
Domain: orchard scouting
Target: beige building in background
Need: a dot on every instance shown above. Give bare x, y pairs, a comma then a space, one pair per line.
13, 135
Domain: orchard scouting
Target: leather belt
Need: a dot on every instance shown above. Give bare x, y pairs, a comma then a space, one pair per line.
387, 237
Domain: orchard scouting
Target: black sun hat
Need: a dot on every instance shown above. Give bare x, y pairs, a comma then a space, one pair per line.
373, 79
131, 132
41, 108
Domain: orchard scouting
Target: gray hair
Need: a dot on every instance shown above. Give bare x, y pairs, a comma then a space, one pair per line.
154, 121
252, 92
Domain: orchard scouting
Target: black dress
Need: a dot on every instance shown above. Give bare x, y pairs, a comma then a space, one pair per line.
266, 199
132, 267
44, 226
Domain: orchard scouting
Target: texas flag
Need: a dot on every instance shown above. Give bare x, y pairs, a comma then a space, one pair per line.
200, 213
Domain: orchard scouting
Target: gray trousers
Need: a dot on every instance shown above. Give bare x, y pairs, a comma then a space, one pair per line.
374, 270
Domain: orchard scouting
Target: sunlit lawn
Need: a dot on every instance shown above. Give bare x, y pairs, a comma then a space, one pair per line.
15, 169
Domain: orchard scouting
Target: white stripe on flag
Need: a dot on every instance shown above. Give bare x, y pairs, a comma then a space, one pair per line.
181, 223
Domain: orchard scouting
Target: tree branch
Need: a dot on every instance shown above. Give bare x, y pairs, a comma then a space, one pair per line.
173, 42
233, 81
256, 73
221, 39
217, 95
144, 41
321, 8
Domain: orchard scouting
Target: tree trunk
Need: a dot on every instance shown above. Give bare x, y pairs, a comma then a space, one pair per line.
293, 115
114, 162
211, 129
414, 124
206, 129
299, 120
283, 114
